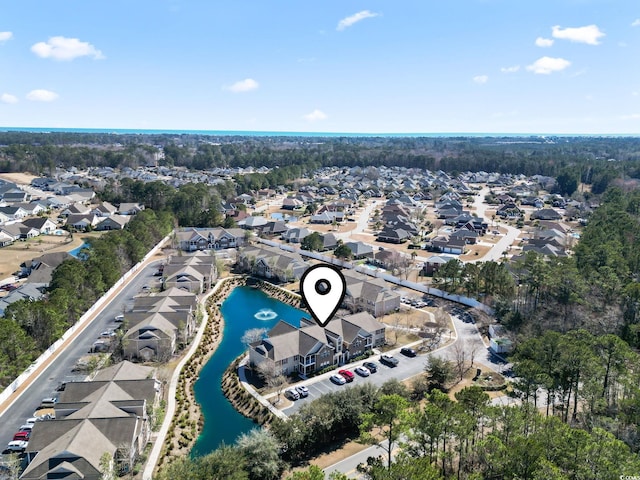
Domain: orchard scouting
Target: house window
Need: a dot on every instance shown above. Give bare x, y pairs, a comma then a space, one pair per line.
284, 361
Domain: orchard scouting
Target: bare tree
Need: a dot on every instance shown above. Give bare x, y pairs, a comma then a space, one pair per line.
253, 335
460, 357
273, 377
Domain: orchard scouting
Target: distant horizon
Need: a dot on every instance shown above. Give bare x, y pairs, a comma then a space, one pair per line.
283, 133
413, 67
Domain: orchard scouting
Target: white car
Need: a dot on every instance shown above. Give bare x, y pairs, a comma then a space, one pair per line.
119, 318
291, 394
32, 420
302, 390
363, 371
338, 379
17, 446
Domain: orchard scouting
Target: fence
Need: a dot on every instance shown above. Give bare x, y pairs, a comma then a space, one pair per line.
80, 325
419, 287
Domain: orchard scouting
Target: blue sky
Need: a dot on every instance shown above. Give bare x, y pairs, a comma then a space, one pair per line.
419, 66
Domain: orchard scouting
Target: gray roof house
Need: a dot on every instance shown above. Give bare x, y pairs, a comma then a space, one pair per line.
311, 348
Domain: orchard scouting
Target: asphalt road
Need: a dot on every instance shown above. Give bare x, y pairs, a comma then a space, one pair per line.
60, 368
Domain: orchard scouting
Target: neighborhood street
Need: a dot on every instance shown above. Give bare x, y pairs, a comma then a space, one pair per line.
60, 369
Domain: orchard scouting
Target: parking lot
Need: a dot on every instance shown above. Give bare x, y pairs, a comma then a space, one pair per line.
407, 367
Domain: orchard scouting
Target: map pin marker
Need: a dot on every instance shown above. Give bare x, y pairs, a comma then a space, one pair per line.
323, 288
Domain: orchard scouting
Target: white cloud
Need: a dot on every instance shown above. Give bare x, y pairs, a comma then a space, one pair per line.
355, 18
589, 34
62, 48
4, 36
633, 116
8, 98
636, 23
41, 95
241, 86
547, 65
512, 69
481, 79
315, 116
544, 42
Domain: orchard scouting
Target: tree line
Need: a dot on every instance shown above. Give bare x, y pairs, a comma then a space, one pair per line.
429, 437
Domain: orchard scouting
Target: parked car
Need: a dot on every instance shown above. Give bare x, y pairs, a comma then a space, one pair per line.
347, 374
8, 287
27, 427
291, 394
32, 420
22, 435
302, 390
362, 371
389, 360
48, 402
119, 318
107, 334
338, 379
409, 352
17, 445
371, 366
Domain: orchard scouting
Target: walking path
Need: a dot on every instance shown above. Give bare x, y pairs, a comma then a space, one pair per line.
150, 466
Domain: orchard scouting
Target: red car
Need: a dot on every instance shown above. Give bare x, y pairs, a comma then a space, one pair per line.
348, 375
22, 435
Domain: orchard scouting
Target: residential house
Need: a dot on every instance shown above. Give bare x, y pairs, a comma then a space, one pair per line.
295, 235
13, 213
104, 209
271, 263
82, 222
311, 348
193, 273
76, 209
253, 222
114, 222
370, 294
360, 250
444, 244
292, 204
546, 214
327, 217
509, 210
329, 241
192, 239
16, 195
27, 291
130, 208
433, 264
159, 324
108, 415
273, 229
44, 225
393, 235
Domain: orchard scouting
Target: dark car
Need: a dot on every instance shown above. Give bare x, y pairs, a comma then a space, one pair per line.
389, 360
371, 366
409, 352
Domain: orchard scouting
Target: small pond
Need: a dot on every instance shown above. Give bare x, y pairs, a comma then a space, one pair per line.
243, 309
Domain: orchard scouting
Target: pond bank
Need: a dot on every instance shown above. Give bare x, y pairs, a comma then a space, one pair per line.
187, 421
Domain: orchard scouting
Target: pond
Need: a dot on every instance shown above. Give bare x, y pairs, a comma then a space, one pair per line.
243, 309
76, 251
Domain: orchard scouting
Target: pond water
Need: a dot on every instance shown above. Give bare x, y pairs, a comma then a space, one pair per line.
243, 309
76, 251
